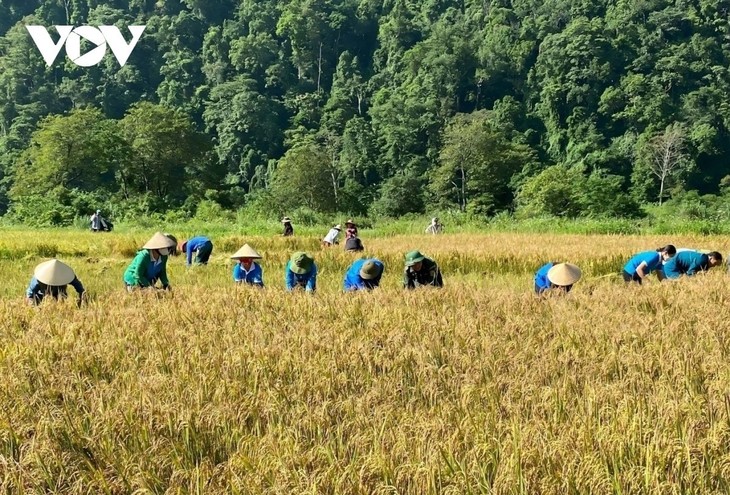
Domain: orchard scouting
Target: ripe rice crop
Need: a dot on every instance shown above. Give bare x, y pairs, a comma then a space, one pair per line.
477, 388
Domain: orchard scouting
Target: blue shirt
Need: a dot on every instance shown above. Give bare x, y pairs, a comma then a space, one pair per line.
686, 262
541, 281
353, 280
193, 245
154, 268
308, 280
254, 276
37, 290
653, 261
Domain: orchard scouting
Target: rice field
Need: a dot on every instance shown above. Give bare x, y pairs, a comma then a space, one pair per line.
477, 388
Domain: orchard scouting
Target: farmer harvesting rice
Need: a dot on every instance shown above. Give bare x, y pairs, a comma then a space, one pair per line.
555, 275
150, 264
50, 278
331, 238
690, 262
200, 245
98, 224
247, 271
288, 228
421, 271
351, 229
642, 264
363, 274
301, 272
436, 227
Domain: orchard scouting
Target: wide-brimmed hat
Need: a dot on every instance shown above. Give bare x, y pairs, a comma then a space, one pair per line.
414, 257
159, 241
285, 220
564, 274
246, 252
370, 270
435, 220
350, 222
301, 263
337, 227
53, 272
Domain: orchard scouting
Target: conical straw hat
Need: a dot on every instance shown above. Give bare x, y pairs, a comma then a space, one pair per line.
53, 272
159, 241
246, 252
564, 274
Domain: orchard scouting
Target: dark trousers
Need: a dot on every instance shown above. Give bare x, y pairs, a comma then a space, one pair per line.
631, 278
203, 254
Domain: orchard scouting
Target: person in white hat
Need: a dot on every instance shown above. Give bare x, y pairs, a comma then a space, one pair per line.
350, 229
288, 228
555, 275
50, 278
331, 238
436, 227
150, 264
247, 271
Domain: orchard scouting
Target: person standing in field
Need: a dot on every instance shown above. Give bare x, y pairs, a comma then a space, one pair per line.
363, 274
350, 229
247, 271
98, 224
50, 278
201, 246
690, 263
288, 228
642, 264
301, 273
436, 227
331, 238
554, 275
150, 264
421, 271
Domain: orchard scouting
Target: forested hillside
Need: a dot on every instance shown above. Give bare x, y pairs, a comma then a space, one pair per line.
546, 107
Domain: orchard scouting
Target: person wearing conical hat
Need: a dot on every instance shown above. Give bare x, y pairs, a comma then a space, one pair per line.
331, 238
201, 246
690, 263
247, 271
556, 275
301, 273
421, 271
50, 278
350, 229
150, 264
436, 227
363, 274
288, 228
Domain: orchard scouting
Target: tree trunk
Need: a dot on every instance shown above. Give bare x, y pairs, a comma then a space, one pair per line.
463, 189
661, 190
319, 67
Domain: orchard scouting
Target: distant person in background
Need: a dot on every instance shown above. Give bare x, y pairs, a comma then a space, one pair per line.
690, 263
363, 274
331, 238
556, 275
288, 228
642, 264
350, 229
201, 246
301, 273
98, 224
421, 271
247, 271
354, 245
436, 227
50, 278
150, 264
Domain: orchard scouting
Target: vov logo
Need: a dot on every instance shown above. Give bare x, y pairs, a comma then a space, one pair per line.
71, 37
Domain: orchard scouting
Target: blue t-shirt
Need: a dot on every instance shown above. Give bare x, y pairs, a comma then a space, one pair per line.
255, 276
353, 280
541, 281
653, 261
686, 262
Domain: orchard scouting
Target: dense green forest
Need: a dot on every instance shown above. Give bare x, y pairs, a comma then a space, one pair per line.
383, 107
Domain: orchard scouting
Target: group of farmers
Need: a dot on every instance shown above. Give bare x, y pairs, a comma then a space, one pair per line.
667, 262
149, 268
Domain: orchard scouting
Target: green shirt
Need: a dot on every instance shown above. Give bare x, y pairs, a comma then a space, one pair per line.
143, 270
